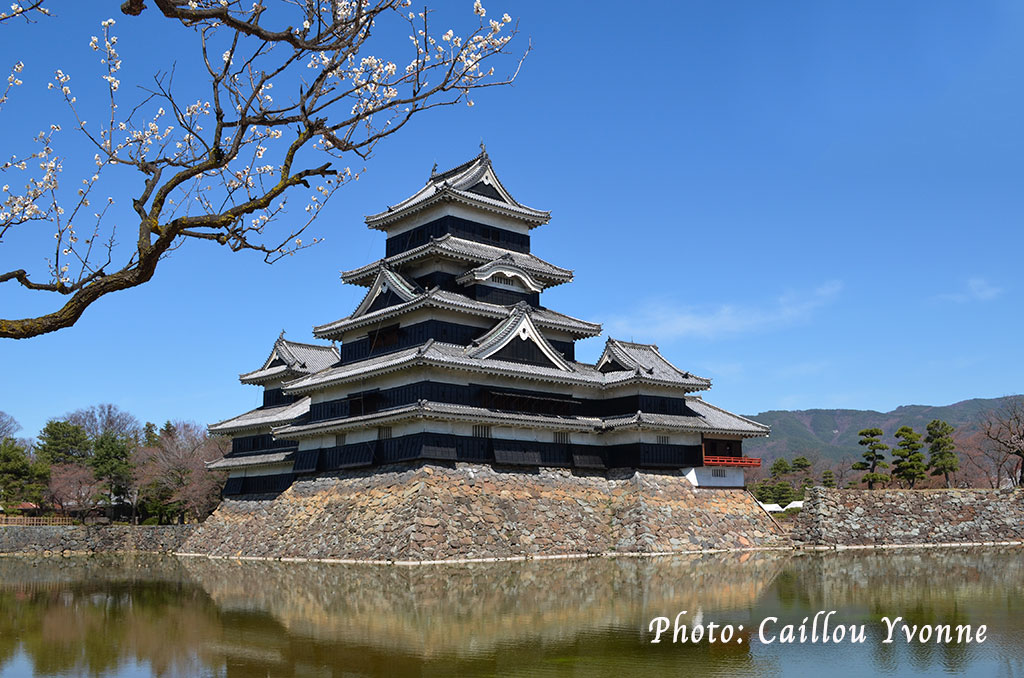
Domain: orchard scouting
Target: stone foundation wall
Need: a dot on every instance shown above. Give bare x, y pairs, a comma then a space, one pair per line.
427, 512
907, 517
20, 539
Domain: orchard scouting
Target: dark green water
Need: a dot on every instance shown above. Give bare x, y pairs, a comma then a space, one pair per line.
156, 616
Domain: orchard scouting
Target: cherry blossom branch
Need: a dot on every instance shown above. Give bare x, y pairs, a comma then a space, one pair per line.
288, 79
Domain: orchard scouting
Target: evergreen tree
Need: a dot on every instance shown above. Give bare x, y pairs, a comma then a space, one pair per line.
111, 464
828, 478
781, 467
784, 493
805, 484
150, 435
874, 459
909, 466
943, 459
61, 442
764, 492
801, 464
21, 479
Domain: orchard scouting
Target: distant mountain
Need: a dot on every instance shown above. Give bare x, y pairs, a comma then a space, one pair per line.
832, 434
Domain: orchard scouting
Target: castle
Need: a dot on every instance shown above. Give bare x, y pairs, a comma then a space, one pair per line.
451, 357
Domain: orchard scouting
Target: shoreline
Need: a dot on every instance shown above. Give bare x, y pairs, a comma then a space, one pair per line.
797, 549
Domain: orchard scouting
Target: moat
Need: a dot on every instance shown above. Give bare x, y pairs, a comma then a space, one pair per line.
166, 616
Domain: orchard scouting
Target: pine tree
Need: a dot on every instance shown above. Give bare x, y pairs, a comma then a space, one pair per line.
21, 479
943, 459
784, 493
909, 466
62, 442
150, 436
801, 464
111, 464
828, 478
764, 492
874, 459
780, 468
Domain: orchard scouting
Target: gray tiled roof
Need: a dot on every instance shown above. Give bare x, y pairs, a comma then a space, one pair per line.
503, 263
438, 298
392, 280
296, 358
251, 460
428, 409
460, 249
454, 356
262, 417
520, 316
708, 419
645, 358
457, 185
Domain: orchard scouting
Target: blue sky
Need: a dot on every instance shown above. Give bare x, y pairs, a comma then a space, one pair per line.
816, 204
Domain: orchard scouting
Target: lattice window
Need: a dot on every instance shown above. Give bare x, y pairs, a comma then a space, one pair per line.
563, 437
481, 431
384, 433
663, 440
501, 279
339, 440
718, 473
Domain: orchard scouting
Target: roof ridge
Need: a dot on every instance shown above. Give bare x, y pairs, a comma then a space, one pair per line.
309, 345
440, 176
767, 427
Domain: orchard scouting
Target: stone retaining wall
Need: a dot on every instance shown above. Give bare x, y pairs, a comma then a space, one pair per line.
428, 512
908, 517
21, 539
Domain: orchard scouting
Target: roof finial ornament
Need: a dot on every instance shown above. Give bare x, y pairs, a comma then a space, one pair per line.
433, 171
280, 336
483, 147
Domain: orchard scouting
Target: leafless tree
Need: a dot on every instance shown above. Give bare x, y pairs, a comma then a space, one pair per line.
73, 487
1004, 429
105, 418
288, 88
177, 466
985, 464
8, 426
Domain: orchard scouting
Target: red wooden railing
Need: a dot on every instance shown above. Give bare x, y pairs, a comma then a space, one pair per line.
731, 461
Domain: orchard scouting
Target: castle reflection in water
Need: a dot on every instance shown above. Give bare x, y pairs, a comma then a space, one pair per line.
116, 616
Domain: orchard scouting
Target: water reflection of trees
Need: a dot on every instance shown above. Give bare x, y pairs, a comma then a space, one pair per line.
563, 617
90, 616
924, 587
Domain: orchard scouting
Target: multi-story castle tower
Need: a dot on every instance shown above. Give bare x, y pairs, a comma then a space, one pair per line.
451, 357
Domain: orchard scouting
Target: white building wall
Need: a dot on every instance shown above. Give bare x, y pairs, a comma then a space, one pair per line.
457, 210
268, 470
715, 476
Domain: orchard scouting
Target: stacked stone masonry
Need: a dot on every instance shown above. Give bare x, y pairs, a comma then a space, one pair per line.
428, 512
66, 539
910, 517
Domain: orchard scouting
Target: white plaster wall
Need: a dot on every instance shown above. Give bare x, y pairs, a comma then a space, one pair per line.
704, 477
457, 210
268, 470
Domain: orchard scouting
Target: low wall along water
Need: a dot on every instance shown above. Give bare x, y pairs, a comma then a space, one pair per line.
910, 517
416, 513
57, 539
